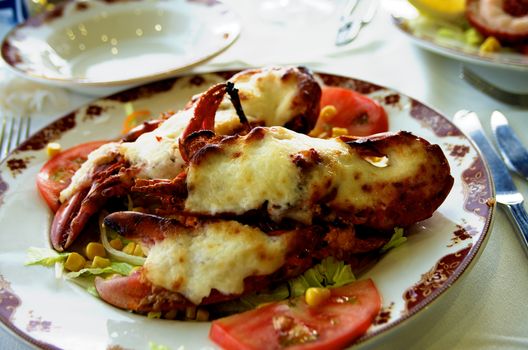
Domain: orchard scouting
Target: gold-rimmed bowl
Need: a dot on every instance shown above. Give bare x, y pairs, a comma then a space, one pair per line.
96, 46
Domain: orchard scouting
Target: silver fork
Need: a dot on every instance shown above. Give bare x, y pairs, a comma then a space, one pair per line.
352, 21
13, 131
492, 90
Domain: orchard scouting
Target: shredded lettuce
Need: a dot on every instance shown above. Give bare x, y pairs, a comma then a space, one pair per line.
91, 290
329, 273
116, 267
154, 346
44, 256
396, 240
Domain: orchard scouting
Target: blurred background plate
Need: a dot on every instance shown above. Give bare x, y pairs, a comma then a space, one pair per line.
90, 46
426, 35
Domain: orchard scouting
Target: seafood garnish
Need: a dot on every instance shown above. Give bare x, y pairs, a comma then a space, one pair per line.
506, 20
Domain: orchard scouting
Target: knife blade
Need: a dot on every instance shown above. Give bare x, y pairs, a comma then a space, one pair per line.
512, 150
507, 195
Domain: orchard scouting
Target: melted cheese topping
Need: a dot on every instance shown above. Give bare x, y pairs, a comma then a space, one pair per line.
250, 172
266, 99
82, 176
219, 255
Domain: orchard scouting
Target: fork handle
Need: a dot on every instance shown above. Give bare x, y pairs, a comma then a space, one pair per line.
519, 218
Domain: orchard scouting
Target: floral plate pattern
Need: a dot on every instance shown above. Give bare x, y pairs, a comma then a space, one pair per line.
45, 311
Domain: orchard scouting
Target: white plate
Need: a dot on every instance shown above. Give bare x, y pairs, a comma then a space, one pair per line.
403, 12
57, 314
97, 43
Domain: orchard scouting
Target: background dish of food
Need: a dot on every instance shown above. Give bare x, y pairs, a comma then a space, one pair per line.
452, 39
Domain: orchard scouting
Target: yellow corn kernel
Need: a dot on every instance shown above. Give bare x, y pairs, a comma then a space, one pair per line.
154, 314
327, 112
138, 251
202, 315
315, 296
74, 262
190, 312
129, 248
490, 45
100, 262
116, 243
94, 249
339, 131
52, 149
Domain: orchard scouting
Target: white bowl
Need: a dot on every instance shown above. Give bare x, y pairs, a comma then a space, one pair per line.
95, 46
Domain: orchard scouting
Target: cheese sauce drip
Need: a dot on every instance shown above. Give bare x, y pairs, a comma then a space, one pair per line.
218, 255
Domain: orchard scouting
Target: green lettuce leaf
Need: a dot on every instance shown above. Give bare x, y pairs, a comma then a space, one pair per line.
396, 240
329, 273
44, 256
154, 346
116, 267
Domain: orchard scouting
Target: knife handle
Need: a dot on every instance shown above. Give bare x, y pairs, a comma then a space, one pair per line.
519, 218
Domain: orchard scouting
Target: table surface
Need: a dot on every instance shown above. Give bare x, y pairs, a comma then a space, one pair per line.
487, 309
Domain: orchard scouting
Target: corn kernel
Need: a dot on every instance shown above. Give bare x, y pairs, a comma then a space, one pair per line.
74, 262
190, 312
154, 314
100, 262
52, 149
116, 243
327, 112
339, 131
94, 249
490, 45
202, 315
129, 248
138, 251
315, 296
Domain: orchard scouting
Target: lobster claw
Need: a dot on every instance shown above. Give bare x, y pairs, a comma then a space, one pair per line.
73, 215
67, 224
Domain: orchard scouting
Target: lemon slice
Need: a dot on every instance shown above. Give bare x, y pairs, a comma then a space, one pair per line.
441, 9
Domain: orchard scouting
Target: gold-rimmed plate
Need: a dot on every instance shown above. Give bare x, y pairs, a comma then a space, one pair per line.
56, 314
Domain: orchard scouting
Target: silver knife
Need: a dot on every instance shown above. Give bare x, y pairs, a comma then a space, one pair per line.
513, 152
507, 195
351, 23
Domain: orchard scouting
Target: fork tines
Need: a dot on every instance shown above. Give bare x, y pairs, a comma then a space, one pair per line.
13, 131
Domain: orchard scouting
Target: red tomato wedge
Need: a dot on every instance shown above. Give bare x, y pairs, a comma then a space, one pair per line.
357, 113
56, 174
334, 324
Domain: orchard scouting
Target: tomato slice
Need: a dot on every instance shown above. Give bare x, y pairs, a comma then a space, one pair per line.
357, 113
334, 324
56, 174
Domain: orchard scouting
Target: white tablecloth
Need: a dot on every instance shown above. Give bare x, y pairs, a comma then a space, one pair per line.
488, 308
